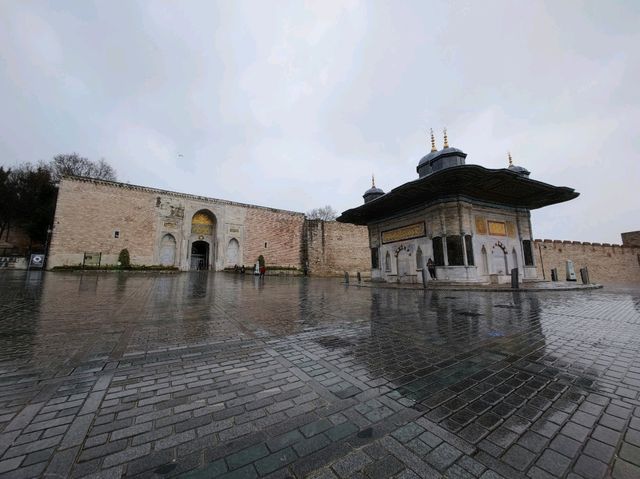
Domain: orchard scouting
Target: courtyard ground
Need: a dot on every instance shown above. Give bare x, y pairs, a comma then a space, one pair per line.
206, 375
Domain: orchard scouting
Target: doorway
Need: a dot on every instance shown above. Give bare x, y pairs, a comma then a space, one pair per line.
199, 255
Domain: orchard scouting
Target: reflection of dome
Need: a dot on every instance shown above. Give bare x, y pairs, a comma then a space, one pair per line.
517, 169
373, 192
440, 159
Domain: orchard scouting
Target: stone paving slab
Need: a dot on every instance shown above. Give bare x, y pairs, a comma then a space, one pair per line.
212, 375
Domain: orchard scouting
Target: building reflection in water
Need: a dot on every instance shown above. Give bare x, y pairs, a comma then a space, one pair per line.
425, 342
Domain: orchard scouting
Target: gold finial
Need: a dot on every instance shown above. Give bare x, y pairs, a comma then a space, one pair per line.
446, 140
433, 141
373, 181
510, 160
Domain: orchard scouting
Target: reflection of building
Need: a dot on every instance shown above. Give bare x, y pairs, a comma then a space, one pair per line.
472, 222
444, 338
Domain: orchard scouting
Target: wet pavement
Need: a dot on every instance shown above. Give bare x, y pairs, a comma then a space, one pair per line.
207, 375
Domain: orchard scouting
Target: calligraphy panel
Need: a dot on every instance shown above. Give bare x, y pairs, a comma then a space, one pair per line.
497, 228
416, 230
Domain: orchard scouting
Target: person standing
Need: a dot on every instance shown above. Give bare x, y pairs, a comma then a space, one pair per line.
432, 268
263, 270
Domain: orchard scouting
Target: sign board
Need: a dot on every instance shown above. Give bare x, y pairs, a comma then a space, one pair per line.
36, 261
92, 259
416, 230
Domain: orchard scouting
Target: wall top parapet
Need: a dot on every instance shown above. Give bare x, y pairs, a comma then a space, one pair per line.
585, 243
116, 184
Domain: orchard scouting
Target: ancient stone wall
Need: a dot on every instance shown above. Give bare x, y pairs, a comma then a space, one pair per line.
333, 248
88, 214
606, 263
277, 235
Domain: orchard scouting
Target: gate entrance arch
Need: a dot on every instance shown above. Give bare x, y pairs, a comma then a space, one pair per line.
203, 240
199, 255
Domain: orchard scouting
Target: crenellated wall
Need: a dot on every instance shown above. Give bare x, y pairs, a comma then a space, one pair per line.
607, 263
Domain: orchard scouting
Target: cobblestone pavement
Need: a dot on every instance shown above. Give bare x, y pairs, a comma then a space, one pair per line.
205, 375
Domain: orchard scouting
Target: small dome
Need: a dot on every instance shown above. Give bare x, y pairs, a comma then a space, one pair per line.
427, 158
519, 170
373, 192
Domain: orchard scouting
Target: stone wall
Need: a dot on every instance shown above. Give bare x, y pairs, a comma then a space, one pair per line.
632, 238
333, 248
607, 263
276, 235
89, 213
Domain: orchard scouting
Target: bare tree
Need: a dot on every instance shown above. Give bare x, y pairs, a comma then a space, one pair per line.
326, 213
76, 165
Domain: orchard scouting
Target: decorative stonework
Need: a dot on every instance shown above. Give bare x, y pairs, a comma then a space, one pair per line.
481, 225
497, 228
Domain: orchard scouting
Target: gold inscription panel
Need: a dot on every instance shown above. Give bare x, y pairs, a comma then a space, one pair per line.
416, 230
481, 225
201, 229
511, 229
497, 228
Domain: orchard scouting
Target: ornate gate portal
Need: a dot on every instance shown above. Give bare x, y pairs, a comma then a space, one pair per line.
199, 255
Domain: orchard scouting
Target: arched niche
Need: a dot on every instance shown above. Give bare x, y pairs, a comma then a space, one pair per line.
499, 263
233, 252
168, 250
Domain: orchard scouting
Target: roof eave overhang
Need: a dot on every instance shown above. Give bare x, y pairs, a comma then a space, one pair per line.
470, 182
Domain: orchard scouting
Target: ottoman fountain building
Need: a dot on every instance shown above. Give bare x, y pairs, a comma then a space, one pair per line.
474, 223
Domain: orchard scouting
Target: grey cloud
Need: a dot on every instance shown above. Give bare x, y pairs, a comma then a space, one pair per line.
294, 104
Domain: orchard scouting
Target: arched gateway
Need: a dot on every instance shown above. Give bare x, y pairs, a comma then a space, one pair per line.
203, 235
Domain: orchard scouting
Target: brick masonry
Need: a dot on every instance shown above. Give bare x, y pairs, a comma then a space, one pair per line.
607, 263
276, 235
89, 212
333, 248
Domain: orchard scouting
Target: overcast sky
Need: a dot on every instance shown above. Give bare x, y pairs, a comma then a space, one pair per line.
295, 104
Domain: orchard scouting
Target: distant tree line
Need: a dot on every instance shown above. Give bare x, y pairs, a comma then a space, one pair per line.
326, 213
28, 192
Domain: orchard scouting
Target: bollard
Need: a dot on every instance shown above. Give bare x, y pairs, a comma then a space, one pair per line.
514, 279
425, 276
584, 275
346, 277
359, 277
